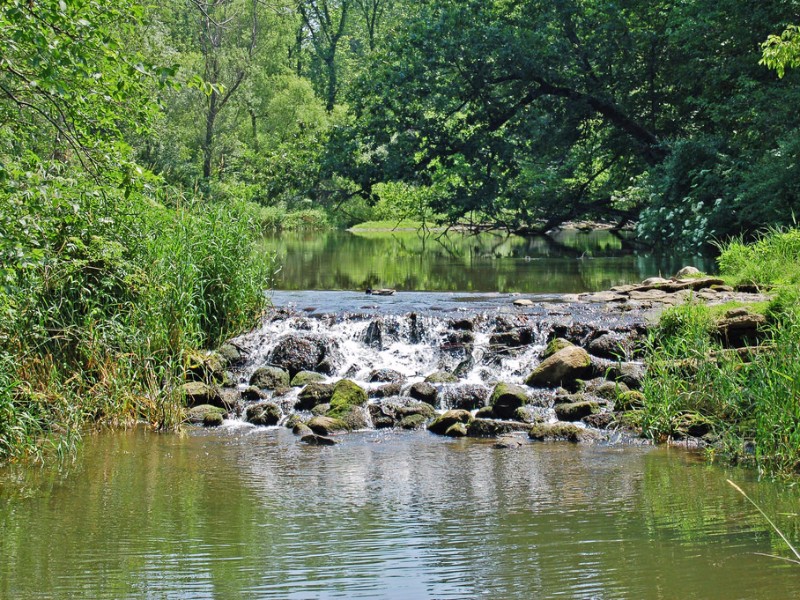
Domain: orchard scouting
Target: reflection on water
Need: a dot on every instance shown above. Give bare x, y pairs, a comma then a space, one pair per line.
567, 262
251, 513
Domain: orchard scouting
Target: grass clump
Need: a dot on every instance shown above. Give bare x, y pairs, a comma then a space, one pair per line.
773, 259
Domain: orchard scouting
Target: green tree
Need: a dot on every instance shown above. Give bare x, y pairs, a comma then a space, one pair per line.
781, 52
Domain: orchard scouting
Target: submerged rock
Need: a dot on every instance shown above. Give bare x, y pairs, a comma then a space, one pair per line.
507, 442
317, 440
562, 431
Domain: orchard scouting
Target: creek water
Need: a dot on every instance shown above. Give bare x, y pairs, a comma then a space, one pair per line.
567, 262
249, 512
245, 512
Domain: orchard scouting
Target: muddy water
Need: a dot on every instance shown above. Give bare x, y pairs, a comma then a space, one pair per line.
246, 512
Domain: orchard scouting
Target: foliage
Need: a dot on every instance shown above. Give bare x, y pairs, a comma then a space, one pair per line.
781, 52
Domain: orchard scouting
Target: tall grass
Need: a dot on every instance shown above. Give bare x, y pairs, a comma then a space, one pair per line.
751, 405
94, 332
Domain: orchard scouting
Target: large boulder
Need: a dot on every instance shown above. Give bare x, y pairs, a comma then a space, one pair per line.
443, 422
197, 393
347, 404
313, 394
298, 352
263, 413
506, 399
269, 378
562, 368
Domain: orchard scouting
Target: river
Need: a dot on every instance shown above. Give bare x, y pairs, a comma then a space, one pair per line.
249, 512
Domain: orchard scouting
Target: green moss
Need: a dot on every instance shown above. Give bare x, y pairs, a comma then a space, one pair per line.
346, 395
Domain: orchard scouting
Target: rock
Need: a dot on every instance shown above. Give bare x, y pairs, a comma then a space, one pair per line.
206, 367
301, 352
301, 429
320, 410
464, 367
317, 440
493, 428
413, 422
442, 423
269, 378
562, 368
381, 417
575, 411
561, 431
630, 373
456, 430
263, 413
346, 395
599, 420
739, 330
462, 325
326, 425
388, 390
198, 413
424, 392
506, 399
386, 375
292, 420
252, 394
523, 302
305, 377
197, 392
212, 420
629, 400
654, 281
609, 390
687, 272
507, 442
373, 336
313, 394
609, 345
555, 345
467, 396
230, 354
529, 414
514, 338
441, 377
486, 412
691, 425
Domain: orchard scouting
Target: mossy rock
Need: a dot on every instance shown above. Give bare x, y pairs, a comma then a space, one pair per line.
305, 377
270, 378
562, 368
417, 408
326, 425
691, 425
441, 377
196, 393
555, 345
528, 414
506, 399
292, 420
560, 431
301, 429
197, 414
230, 354
456, 430
493, 427
317, 440
346, 395
263, 413
629, 400
442, 423
610, 390
413, 421
575, 411
212, 420
314, 394
252, 394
